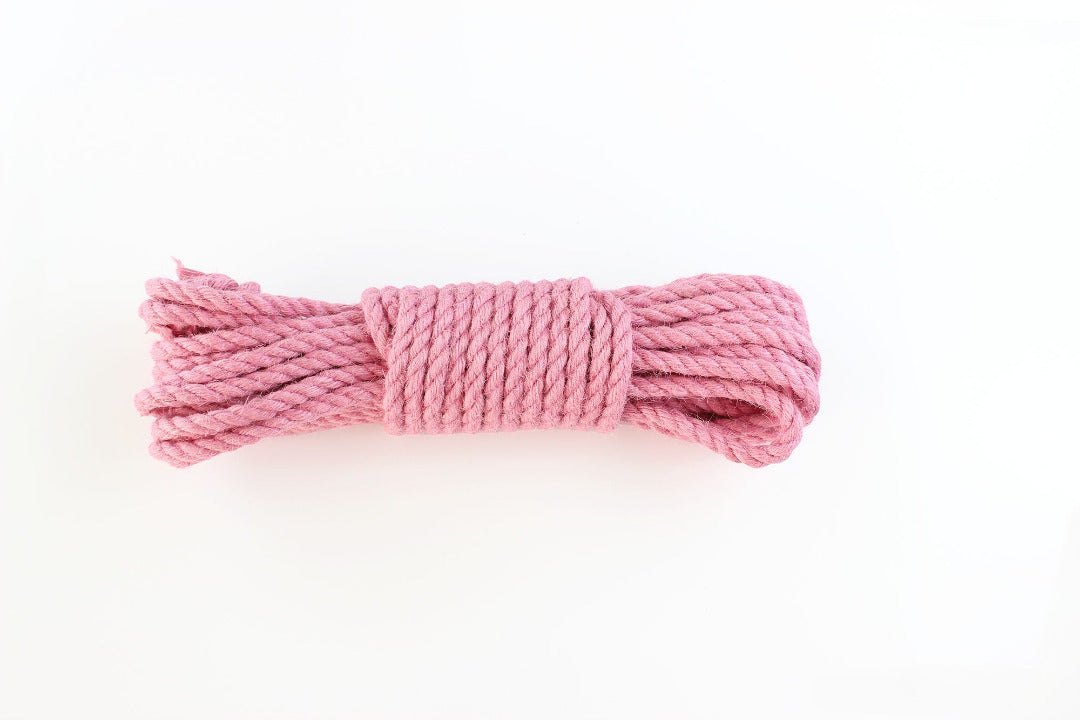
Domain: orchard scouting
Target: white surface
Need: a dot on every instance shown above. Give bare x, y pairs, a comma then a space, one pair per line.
913, 172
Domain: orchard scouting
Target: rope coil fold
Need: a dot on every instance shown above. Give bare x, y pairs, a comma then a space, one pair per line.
722, 360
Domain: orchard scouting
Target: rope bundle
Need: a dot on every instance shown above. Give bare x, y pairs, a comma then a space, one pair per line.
722, 360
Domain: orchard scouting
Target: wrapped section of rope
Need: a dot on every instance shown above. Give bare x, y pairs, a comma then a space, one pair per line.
722, 360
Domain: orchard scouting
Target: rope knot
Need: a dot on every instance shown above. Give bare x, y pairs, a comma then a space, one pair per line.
483, 357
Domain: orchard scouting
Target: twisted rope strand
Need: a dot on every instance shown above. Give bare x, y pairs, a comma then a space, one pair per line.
725, 361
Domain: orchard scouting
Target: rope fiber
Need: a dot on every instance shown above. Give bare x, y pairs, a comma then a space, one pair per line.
721, 360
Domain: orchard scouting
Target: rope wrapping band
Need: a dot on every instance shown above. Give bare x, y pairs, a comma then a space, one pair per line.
722, 360
471, 358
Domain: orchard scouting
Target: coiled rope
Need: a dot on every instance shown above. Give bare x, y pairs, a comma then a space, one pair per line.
722, 360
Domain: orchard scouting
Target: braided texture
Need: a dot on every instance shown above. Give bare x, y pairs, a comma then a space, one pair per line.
722, 360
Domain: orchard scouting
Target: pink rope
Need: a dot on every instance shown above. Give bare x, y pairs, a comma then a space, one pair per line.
723, 360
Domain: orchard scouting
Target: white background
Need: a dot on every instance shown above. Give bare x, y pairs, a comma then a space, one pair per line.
913, 171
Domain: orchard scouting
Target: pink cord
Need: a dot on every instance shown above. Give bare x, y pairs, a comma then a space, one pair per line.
722, 360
